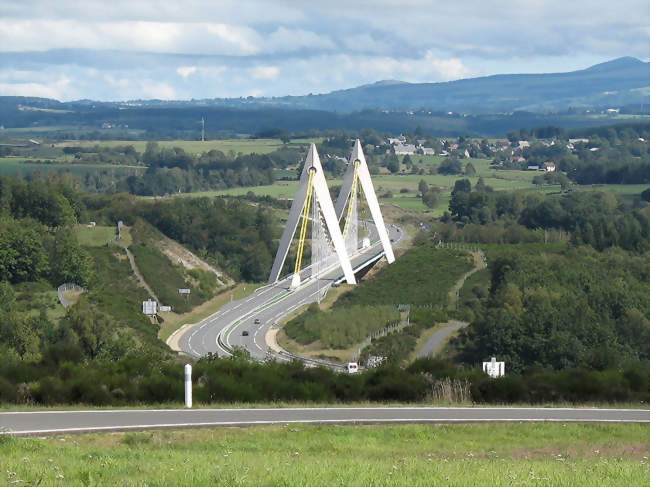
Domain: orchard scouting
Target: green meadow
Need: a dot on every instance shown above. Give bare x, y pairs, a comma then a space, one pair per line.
499, 454
24, 166
245, 146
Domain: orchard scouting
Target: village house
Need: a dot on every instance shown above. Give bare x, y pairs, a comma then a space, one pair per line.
405, 149
549, 166
523, 144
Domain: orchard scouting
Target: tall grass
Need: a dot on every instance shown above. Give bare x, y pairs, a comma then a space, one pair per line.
288, 455
340, 327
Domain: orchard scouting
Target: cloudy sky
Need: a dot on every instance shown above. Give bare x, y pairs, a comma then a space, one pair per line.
130, 49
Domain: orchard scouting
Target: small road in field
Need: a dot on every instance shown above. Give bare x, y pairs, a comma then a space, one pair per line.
60, 422
438, 339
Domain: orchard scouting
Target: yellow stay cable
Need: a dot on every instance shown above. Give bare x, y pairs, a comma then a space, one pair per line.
305, 218
351, 201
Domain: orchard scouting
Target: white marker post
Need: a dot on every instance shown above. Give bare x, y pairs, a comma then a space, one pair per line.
188, 386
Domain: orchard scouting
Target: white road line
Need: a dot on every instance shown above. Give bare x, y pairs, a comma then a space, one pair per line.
333, 408
321, 421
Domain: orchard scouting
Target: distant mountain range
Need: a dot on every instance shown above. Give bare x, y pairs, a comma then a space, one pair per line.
489, 105
623, 81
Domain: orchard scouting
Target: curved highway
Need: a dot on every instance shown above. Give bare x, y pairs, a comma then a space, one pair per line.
57, 422
244, 323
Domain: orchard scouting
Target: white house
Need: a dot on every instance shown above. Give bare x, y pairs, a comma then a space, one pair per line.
523, 144
549, 166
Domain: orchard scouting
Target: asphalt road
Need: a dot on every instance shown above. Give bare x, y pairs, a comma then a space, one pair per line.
51, 422
433, 344
268, 305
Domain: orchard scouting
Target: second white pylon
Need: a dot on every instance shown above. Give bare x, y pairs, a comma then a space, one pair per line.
312, 190
312, 202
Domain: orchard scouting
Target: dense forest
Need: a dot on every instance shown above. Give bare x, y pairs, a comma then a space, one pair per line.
591, 217
562, 308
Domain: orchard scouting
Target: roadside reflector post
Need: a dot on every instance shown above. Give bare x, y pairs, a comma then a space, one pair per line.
188, 386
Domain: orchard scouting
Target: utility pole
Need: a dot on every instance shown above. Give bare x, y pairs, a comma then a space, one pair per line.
202, 129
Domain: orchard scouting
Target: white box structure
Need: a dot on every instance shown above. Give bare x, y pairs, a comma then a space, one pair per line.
149, 307
494, 369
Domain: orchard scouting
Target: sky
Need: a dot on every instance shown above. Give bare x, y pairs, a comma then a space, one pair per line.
131, 49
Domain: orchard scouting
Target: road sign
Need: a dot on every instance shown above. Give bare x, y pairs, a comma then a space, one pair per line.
149, 307
494, 369
183, 291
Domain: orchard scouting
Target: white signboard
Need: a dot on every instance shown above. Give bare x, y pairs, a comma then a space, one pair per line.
149, 307
183, 291
494, 369
164, 308
353, 368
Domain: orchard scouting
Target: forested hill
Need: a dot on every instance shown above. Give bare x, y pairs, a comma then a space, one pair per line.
489, 105
614, 83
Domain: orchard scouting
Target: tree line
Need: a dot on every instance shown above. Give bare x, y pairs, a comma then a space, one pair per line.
592, 217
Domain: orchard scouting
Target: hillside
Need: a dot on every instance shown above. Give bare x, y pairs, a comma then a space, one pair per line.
488, 105
614, 83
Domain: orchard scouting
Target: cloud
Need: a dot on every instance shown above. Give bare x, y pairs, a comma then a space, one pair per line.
199, 49
264, 72
185, 71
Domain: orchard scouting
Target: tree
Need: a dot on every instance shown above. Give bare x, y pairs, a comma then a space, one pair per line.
431, 197
645, 195
393, 163
91, 326
470, 170
423, 186
451, 165
462, 186
70, 263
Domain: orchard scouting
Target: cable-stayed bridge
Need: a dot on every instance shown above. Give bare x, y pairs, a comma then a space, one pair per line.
338, 250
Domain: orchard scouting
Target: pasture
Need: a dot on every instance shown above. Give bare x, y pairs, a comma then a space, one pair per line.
23, 166
245, 146
558, 454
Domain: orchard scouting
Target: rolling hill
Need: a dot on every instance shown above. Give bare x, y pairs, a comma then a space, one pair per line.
619, 82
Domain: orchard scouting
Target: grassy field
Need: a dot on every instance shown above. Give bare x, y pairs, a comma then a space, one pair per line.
409, 455
13, 165
403, 188
96, 236
33, 297
245, 146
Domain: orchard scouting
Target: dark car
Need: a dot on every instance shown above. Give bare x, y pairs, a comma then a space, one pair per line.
244, 333
256, 321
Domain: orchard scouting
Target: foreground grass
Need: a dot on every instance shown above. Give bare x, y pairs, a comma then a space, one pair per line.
413, 455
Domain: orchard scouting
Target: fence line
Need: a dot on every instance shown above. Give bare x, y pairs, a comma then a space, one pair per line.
386, 330
68, 286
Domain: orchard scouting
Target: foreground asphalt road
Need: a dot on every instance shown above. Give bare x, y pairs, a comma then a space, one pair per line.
267, 306
50, 422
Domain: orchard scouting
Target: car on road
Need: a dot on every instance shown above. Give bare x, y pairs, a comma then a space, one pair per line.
256, 321
244, 333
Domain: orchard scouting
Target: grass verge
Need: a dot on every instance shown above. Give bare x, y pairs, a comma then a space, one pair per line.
413, 455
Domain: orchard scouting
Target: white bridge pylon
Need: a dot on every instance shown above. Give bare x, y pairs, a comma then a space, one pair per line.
358, 173
313, 202
312, 183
